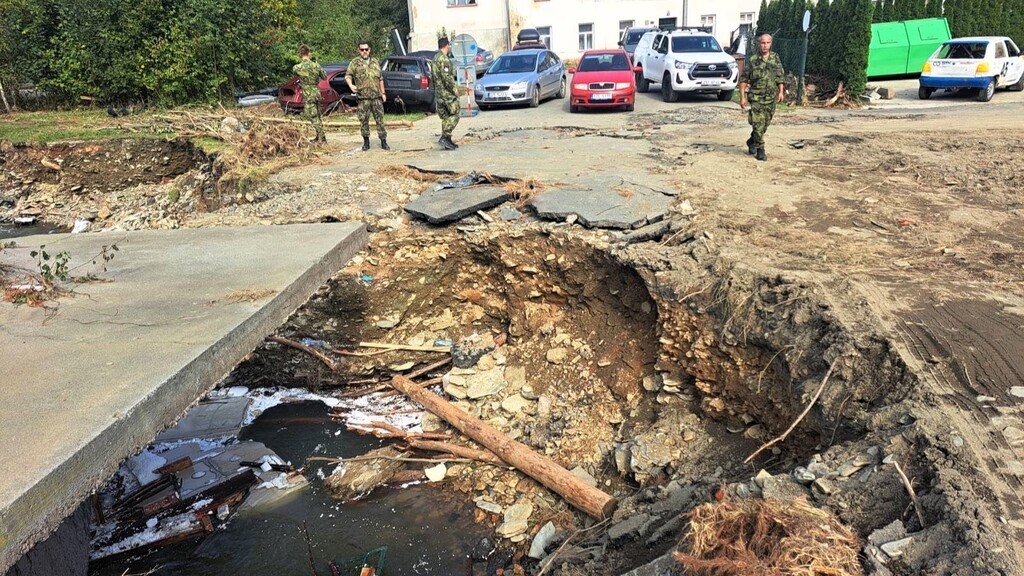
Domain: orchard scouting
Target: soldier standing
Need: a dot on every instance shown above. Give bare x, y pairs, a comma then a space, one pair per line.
364, 79
764, 76
310, 74
446, 93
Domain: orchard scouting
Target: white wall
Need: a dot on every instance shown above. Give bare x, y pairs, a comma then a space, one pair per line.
488, 20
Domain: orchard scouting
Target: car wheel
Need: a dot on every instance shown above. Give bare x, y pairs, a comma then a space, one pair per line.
1019, 85
573, 108
924, 93
986, 93
668, 94
642, 84
724, 95
629, 107
535, 98
561, 90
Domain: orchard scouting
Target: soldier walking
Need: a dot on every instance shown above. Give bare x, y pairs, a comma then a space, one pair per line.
764, 76
446, 93
364, 79
310, 74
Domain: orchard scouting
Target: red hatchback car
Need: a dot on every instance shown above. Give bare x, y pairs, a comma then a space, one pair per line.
603, 79
332, 91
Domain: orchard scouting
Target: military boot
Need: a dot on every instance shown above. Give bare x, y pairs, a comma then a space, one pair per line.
761, 155
751, 148
384, 144
447, 143
366, 143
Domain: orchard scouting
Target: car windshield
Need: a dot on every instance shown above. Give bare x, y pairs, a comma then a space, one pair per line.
601, 62
514, 64
962, 51
695, 44
634, 36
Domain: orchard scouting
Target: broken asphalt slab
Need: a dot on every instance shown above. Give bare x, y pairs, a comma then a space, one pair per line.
602, 207
94, 377
452, 204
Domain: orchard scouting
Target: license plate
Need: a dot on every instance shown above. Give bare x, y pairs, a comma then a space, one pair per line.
711, 83
601, 97
497, 95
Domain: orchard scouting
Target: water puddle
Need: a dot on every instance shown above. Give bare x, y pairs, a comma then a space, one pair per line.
427, 530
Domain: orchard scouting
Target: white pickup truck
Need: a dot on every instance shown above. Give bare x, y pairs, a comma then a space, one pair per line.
982, 63
685, 60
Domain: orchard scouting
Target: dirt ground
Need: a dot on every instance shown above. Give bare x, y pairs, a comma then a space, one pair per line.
880, 247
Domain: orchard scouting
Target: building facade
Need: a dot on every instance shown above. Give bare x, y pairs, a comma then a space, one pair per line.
569, 26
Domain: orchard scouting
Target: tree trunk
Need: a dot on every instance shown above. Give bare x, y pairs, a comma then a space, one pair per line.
3, 96
541, 468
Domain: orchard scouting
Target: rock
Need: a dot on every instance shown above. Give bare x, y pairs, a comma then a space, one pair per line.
1017, 391
514, 404
677, 498
887, 93
892, 531
436, 473
630, 527
824, 485
528, 393
488, 506
801, 475
431, 422
782, 488
515, 376
515, 520
652, 383
557, 355
895, 549
508, 213
482, 550
543, 539
1013, 435
485, 383
465, 353
584, 476
762, 477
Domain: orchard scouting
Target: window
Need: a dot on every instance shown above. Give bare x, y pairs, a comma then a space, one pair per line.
545, 35
623, 26
746, 22
586, 37
708, 21
461, 3
666, 23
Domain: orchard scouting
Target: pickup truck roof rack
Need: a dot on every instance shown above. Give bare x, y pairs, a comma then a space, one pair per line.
705, 29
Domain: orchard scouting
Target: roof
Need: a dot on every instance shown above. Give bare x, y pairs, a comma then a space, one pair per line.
526, 51
603, 51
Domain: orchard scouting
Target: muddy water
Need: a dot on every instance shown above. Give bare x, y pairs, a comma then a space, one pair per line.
18, 230
428, 531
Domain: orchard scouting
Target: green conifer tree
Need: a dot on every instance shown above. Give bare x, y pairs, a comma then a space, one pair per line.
933, 9
853, 63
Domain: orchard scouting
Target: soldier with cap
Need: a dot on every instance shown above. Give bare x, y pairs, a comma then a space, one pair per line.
365, 80
310, 74
446, 93
764, 76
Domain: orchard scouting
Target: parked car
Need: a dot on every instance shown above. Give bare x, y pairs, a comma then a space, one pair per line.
522, 76
407, 79
631, 37
529, 39
685, 60
603, 79
332, 91
484, 59
981, 63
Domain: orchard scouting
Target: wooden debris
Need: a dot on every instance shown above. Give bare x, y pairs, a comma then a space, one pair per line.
307, 349
406, 347
541, 468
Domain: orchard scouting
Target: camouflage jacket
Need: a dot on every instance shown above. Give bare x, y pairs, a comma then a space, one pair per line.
763, 74
310, 74
364, 74
443, 71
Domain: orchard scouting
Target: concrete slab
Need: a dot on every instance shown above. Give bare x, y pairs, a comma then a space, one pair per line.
602, 207
452, 204
210, 419
88, 383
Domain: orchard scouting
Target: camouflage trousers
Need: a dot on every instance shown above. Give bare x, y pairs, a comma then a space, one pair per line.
376, 107
311, 112
448, 111
760, 116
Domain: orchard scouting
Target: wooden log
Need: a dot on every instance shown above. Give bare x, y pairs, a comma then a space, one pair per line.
456, 450
406, 347
541, 468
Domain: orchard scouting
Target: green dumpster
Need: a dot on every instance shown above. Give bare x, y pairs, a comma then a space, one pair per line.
899, 48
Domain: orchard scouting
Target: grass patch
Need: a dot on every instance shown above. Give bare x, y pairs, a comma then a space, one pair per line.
56, 126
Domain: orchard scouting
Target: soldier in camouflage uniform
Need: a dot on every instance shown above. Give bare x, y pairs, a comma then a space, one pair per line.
310, 74
364, 79
764, 76
446, 93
